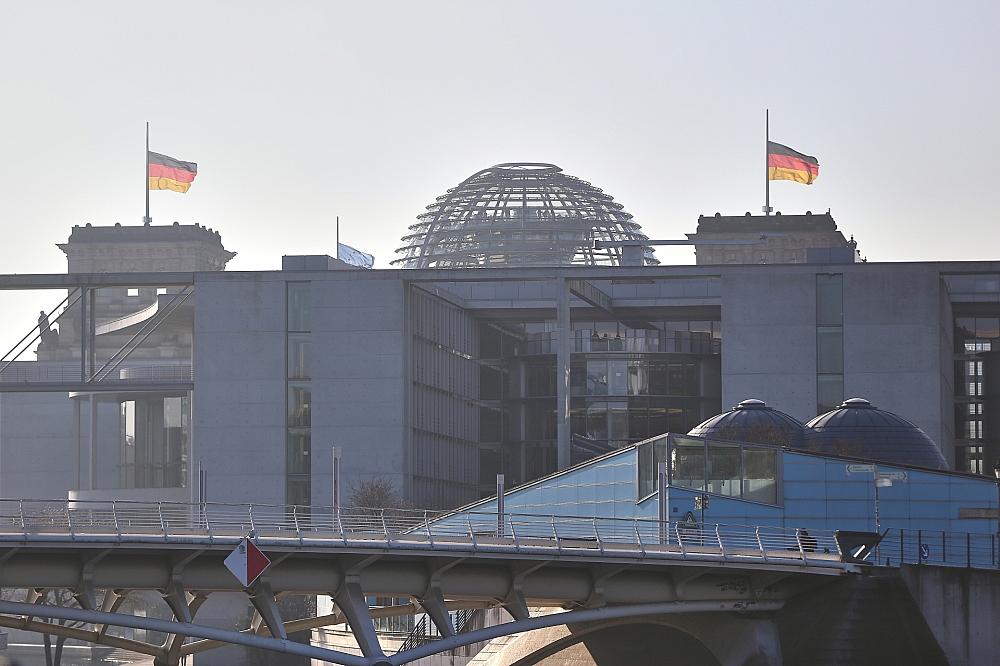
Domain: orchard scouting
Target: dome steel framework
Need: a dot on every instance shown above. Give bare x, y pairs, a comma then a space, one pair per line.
519, 214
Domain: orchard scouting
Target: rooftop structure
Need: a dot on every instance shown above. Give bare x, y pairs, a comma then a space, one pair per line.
519, 214
753, 421
127, 249
771, 239
858, 428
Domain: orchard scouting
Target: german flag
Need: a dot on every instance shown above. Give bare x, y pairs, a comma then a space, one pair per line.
166, 173
783, 163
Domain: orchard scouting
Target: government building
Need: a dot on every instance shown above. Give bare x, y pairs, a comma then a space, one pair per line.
515, 333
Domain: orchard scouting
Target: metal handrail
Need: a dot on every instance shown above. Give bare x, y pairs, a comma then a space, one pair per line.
118, 521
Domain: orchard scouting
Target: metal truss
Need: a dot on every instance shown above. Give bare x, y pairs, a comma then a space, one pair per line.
520, 214
22, 615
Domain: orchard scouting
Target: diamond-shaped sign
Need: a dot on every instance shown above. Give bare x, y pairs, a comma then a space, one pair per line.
247, 562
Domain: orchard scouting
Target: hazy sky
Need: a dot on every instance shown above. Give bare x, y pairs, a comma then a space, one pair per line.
300, 111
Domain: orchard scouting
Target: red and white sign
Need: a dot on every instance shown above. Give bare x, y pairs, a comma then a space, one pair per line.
247, 562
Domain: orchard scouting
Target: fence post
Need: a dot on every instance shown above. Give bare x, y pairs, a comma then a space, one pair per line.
114, 516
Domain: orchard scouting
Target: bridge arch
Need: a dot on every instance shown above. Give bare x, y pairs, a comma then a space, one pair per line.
699, 639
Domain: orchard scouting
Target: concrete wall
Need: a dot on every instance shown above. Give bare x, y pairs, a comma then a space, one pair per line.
769, 338
962, 608
892, 344
38, 456
239, 396
359, 386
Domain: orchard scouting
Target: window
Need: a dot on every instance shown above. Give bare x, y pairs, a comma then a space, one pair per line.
830, 300
299, 306
830, 350
160, 291
297, 458
299, 406
760, 480
687, 463
724, 469
299, 355
133, 292
829, 341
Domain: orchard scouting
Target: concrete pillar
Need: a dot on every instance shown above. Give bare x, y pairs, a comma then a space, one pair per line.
563, 338
92, 441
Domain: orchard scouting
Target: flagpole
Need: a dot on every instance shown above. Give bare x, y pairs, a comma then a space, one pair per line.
767, 176
147, 220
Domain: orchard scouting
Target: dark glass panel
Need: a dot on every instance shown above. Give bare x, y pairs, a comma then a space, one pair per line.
299, 406
830, 350
829, 300
299, 448
299, 306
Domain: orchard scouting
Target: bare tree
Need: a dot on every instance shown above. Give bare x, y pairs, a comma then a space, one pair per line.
376, 493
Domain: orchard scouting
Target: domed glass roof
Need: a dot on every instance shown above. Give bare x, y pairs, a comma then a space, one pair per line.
753, 421
519, 214
857, 428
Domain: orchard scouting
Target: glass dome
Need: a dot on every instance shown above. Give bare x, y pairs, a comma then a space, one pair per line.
519, 214
857, 428
753, 421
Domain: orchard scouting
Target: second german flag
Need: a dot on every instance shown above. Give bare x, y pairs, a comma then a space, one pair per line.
166, 173
783, 163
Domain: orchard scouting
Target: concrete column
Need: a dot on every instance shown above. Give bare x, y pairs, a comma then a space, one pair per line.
92, 441
563, 338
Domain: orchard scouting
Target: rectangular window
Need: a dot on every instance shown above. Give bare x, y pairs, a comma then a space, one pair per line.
299, 355
687, 464
760, 470
160, 291
299, 306
597, 377
829, 392
829, 341
299, 406
299, 449
724, 471
829, 300
299, 490
830, 350
617, 377
133, 291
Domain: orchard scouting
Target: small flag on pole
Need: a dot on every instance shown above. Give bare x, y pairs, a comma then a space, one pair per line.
783, 163
354, 257
166, 173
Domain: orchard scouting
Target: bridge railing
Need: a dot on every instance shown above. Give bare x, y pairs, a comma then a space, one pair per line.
133, 520
941, 548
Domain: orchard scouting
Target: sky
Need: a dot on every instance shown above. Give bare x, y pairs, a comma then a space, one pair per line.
297, 112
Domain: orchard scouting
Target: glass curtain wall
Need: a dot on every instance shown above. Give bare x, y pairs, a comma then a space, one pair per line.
155, 434
626, 384
298, 436
731, 469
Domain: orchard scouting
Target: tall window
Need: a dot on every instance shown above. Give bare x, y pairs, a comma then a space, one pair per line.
829, 342
298, 436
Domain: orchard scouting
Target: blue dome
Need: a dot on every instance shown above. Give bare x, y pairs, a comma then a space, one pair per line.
753, 421
857, 428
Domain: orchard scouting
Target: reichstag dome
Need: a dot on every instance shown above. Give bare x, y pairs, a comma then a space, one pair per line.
519, 214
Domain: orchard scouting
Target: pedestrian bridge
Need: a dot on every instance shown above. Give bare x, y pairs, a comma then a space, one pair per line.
591, 569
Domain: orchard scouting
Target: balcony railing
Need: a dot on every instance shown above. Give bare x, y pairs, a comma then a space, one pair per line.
655, 342
31, 374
